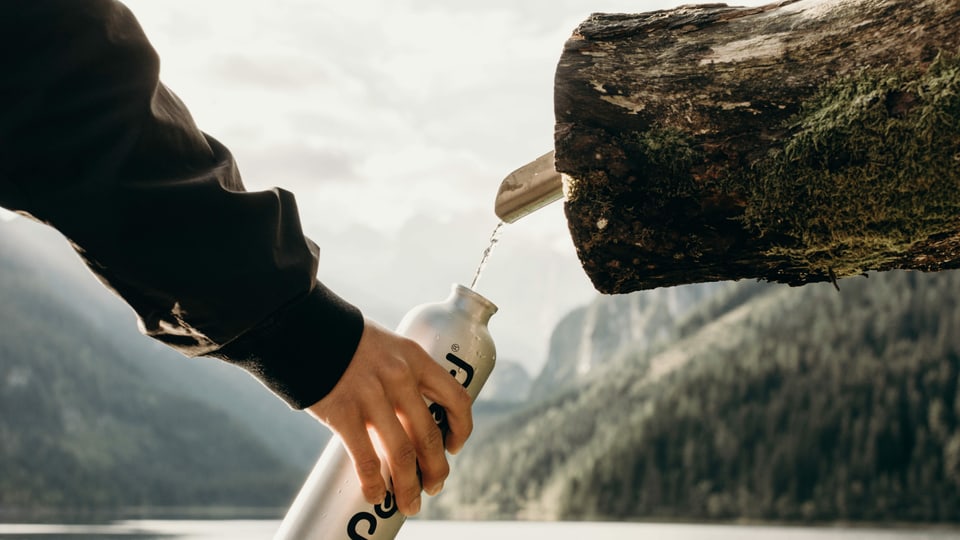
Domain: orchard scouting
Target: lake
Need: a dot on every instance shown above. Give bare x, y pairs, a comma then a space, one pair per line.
445, 530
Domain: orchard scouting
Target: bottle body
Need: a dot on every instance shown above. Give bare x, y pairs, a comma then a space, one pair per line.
330, 504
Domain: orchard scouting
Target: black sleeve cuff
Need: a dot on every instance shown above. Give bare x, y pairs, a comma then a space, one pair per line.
300, 352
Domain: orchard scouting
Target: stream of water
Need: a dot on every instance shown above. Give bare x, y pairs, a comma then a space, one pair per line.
494, 238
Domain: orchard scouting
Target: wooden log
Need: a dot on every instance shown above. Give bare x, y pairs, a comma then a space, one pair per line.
802, 141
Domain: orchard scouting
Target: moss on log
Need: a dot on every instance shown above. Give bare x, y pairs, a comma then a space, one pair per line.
798, 142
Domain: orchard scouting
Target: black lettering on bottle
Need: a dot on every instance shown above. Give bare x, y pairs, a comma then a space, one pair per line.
467, 368
384, 510
358, 518
439, 414
440, 417
388, 507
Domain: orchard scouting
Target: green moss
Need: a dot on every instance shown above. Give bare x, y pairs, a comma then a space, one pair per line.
872, 167
666, 149
667, 156
656, 166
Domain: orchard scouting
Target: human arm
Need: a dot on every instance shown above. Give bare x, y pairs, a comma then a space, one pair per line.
93, 144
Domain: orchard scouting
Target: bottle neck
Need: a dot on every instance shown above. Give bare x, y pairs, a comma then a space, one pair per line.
472, 303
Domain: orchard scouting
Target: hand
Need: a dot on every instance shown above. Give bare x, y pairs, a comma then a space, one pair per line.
381, 393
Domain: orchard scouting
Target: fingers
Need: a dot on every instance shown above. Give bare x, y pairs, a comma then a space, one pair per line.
382, 392
438, 386
401, 456
427, 440
379, 420
412, 441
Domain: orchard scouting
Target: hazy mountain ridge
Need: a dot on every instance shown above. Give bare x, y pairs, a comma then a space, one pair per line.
83, 428
62, 279
593, 335
94, 414
509, 382
773, 403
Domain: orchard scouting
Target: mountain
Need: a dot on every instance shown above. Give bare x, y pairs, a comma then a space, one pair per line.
767, 403
62, 279
93, 414
597, 333
509, 382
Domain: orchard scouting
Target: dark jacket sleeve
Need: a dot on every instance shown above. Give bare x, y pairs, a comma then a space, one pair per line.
93, 144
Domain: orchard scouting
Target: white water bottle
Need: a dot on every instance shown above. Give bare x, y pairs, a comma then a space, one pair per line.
330, 504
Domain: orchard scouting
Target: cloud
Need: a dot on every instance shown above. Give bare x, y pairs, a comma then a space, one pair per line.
277, 72
296, 165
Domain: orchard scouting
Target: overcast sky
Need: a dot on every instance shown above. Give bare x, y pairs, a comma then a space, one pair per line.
393, 122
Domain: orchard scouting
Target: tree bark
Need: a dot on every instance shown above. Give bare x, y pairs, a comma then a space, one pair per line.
802, 141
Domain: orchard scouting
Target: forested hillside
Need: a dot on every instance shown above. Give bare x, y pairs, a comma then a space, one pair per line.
59, 279
772, 403
84, 426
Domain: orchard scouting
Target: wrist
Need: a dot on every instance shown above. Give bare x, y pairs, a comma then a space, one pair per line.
301, 351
